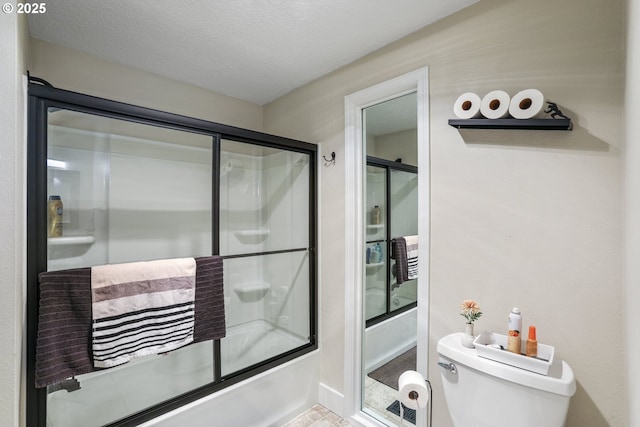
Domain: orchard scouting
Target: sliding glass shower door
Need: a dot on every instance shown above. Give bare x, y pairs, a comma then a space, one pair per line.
128, 192
113, 183
264, 237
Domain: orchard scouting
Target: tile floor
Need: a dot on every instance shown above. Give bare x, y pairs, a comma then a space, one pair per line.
317, 416
377, 398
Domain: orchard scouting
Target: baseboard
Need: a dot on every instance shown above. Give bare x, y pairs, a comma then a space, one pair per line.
331, 399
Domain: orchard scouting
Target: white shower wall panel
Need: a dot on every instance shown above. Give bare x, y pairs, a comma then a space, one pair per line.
245, 288
288, 301
159, 208
242, 228
286, 205
404, 203
79, 177
264, 207
272, 287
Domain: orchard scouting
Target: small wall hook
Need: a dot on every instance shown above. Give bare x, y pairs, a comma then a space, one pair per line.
331, 161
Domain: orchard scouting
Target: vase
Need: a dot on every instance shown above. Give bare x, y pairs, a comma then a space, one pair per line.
467, 337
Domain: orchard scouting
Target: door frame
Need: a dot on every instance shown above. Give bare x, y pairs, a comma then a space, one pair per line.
355, 162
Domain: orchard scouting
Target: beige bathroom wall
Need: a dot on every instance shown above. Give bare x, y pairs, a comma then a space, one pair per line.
397, 145
632, 209
518, 218
79, 72
14, 52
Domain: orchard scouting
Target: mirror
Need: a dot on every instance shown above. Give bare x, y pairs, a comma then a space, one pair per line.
391, 224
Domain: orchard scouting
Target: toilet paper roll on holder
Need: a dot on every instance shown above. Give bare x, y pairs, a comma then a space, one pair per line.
414, 396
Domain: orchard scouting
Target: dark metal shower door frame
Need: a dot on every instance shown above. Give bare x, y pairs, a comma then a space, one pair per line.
388, 166
43, 96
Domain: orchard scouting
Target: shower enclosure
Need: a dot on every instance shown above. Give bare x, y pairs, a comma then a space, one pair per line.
138, 184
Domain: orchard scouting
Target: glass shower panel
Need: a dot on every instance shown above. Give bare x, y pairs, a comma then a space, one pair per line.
79, 177
264, 199
404, 222
376, 249
129, 192
264, 236
268, 308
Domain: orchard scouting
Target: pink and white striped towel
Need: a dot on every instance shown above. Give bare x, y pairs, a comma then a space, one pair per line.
141, 308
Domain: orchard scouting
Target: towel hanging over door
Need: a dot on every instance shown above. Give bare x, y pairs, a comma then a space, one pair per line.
63, 347
141, 308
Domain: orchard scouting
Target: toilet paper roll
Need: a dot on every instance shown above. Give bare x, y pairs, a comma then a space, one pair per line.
495, 104
412, 390
527, 104
467, 106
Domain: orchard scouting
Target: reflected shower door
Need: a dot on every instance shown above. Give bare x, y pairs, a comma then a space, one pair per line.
403, 191
375, 295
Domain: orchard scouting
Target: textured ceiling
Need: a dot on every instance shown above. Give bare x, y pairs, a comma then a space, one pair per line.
250, 49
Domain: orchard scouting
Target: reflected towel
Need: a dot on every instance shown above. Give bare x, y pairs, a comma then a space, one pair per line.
412, 256
399, 253
63, 347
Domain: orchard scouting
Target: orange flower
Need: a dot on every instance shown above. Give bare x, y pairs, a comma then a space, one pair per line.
470, 310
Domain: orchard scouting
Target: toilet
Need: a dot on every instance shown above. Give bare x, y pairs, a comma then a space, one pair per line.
481, 392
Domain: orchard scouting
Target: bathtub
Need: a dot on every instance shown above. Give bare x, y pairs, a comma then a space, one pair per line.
253, 342
114, 393
390, 338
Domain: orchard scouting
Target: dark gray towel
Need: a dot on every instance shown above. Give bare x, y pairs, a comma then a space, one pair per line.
209, 322
63, 347
399, 252
64, 326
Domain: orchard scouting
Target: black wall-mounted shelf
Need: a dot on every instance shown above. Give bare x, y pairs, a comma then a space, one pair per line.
543, 124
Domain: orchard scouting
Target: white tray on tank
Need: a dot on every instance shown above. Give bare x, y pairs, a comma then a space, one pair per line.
494, 346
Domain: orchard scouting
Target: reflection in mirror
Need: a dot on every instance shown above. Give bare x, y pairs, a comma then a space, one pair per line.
391, 210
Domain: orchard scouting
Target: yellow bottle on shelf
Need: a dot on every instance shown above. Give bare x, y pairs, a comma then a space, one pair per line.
54, 216
376, 215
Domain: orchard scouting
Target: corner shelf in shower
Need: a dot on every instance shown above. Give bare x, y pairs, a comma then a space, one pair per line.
374, 265
71, 240
263, 232
251, 236
252, 291
535, 124
374, 228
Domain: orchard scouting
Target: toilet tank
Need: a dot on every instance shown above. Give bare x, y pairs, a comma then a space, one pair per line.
484, 393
